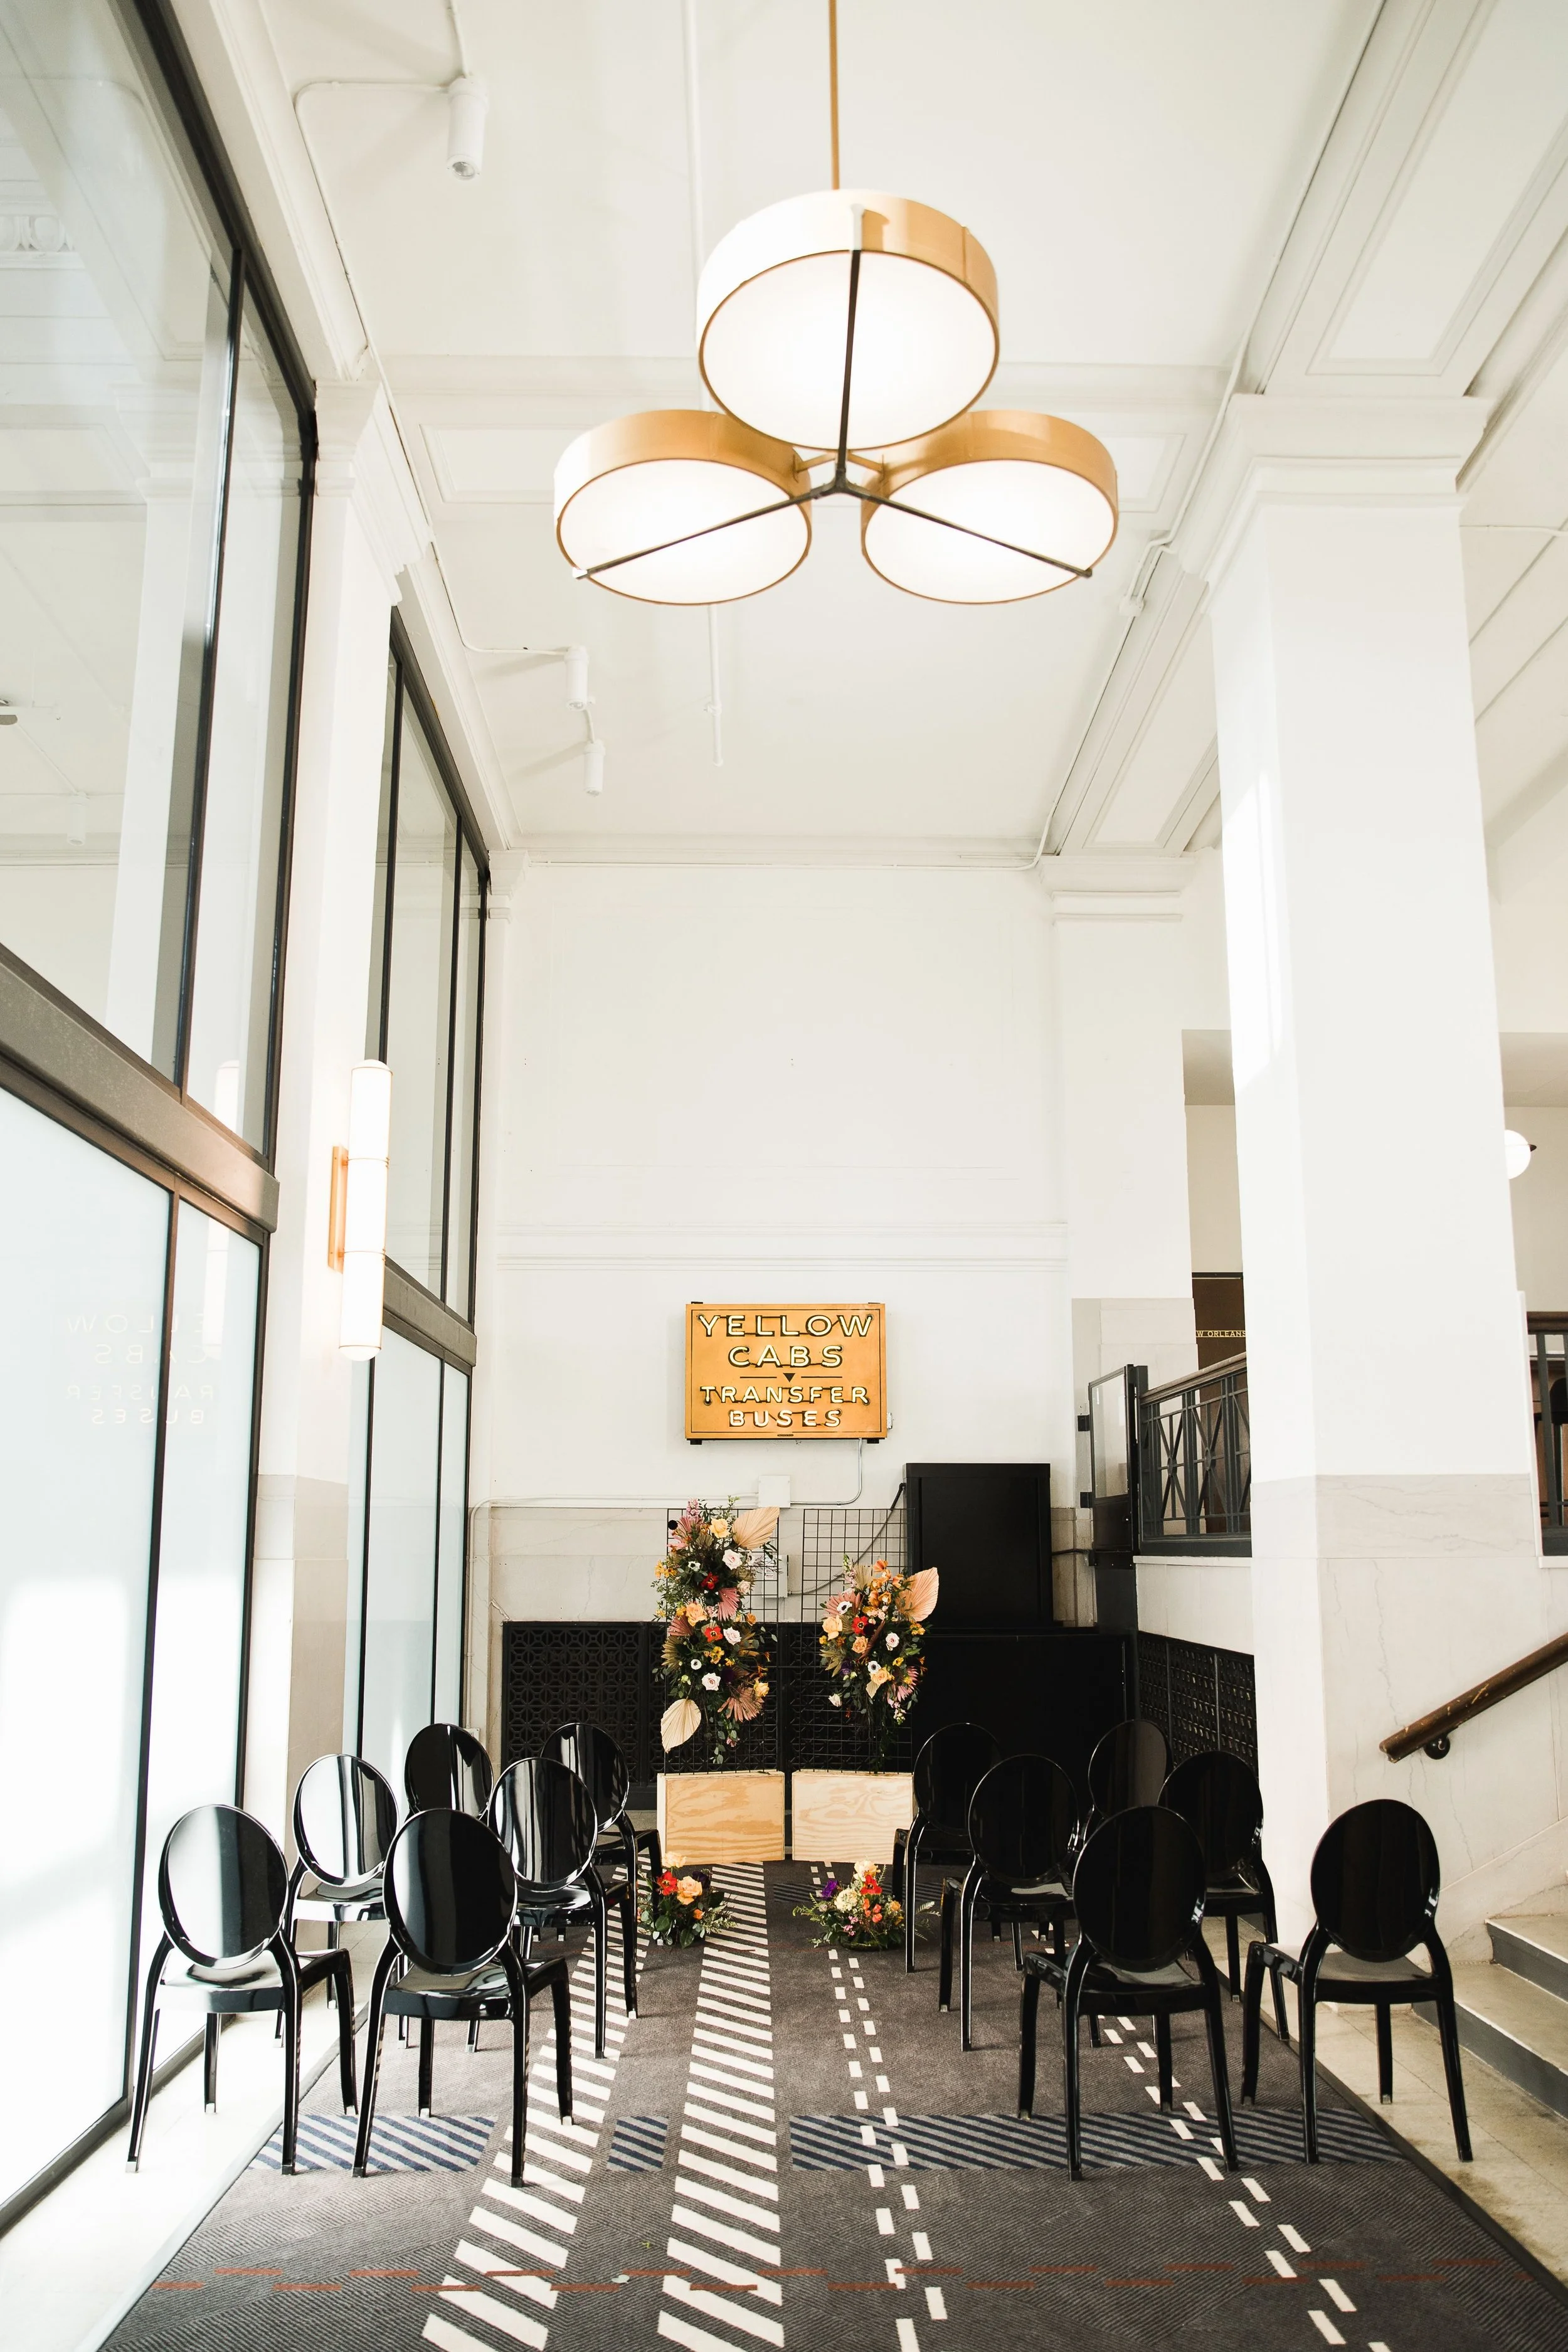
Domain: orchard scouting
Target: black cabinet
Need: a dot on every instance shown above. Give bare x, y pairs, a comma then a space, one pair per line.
987, 1526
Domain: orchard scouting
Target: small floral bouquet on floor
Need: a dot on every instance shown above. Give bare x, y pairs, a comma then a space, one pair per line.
872, 1636
716, 1656
863, 1913
683, 1908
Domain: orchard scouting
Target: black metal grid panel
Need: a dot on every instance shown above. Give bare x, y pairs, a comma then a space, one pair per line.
1154, 1681
556, 1673
1194, 1725
1201, 1698
817, 1737
1236, 1704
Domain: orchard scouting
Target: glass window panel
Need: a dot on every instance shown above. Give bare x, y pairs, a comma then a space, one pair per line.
451, 1547
236, 923
373, 1040
359, 1475
420, 997
400, 1585
193, 1724
83, 1244
114, 298
465, 1064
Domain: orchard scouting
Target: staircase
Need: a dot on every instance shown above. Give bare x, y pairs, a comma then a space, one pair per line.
1514, 2012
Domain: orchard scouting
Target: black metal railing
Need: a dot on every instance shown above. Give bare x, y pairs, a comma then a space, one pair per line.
1193, 1481
1549, 1402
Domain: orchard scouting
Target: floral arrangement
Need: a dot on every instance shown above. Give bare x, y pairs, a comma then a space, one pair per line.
716, 1656
872, 1636
863, 1913
682, 1907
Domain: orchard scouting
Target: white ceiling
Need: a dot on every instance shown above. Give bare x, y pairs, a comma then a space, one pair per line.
1134, 168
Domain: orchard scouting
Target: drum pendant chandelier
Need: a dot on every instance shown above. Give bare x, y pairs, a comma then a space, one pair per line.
846, 334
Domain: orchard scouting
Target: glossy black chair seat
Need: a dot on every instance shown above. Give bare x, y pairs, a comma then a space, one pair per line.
1375, 1884
1021, 1822
223, 1893
598, 1763
446, 1769
1218, 1797
452, 1954
948, 1770
545, 1816
345, 1817
1137, 1890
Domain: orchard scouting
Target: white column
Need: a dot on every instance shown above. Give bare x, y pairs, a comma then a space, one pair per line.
1395, 1549
296, 1692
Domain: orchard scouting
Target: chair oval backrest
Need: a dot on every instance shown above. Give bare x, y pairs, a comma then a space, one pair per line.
446, 1770
1138, 1889
1218, 1797
544, 1817
222, 1885
948, 1770
1128, 1766
451, 1892
598, 1763
1376, 1879
1021, 1820
345, 1817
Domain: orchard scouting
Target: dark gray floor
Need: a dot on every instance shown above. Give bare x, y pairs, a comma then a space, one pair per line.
1138, 2253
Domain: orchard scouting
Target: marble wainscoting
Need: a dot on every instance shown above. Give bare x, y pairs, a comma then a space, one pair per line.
547, 1564
1374, 1601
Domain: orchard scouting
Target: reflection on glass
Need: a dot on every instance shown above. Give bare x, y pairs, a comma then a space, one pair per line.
115, 382
419, 1001
465, 1078
400, 1578
451, 1548
191, 1756
83, 1243
246, 761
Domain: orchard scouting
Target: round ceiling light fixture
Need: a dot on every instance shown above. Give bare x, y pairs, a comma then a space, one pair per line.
856, 329
678, 507
1001, 506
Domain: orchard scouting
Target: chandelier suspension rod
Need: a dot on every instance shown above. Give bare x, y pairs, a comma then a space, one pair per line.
833, 82
685, 538
923, 514
841, 466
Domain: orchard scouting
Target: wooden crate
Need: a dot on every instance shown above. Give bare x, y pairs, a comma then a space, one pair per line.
849, 1816
722, 1816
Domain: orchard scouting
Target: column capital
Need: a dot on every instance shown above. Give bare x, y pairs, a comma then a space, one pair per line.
360, 457
1288, 451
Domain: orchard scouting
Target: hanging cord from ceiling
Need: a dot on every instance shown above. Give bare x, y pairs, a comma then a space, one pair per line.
1133, 601
714, 705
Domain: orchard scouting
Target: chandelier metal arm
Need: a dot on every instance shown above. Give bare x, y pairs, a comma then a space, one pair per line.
779, 506
841, 467
923, 514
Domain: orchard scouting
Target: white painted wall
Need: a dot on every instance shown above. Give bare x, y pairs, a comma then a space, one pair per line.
1214, 1202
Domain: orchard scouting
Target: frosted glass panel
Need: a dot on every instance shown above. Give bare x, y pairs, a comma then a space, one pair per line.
200, 1610
419, 1001
451, 1547
83, 1243
400, 1583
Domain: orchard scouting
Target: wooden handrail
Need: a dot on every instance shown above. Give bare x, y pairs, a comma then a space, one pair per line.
1431, 1732
1195, 1380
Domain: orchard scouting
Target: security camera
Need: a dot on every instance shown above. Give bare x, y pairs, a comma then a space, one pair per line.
468, 103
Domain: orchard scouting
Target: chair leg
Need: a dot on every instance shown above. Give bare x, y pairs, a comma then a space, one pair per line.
655, 1858
1073, 2101
1448, 2033
1162, 2055
1271, 1930
343, 1983
518, 1984
966, 1909
145, 2057
1029, 2011
912, 1889
601, 1963
1233, 1954
1307, 1990
426, 2064
1385, 2053
1018, 1944
629, 1949
289, 1969
209, 2063
1251, 2020
473, 2032
1213, 2014
561, 1997
896, 1867
377, 2020
944, 1977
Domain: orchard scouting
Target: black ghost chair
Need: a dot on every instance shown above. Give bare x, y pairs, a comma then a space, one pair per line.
1128, 1767
597, 1761
1021, 1820
446, 1770
1137, 1890
222, 1891
1218, 1797
544, 1817
452, 1954
345, 1817
948, 1770
1375, 1884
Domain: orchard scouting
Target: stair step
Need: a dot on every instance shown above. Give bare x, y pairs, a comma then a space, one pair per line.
1534, 1944
1516, 2026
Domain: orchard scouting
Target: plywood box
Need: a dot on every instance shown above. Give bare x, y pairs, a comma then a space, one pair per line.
849, 1816
722, 1816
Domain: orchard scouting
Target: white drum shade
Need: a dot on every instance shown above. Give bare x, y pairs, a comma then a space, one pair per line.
684, 477
1043, 486
773, 310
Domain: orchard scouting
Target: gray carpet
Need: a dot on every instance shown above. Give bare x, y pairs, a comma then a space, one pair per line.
750, 2166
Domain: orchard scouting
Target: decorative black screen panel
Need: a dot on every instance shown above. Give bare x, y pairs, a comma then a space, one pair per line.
555, 1674
1202, 1698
